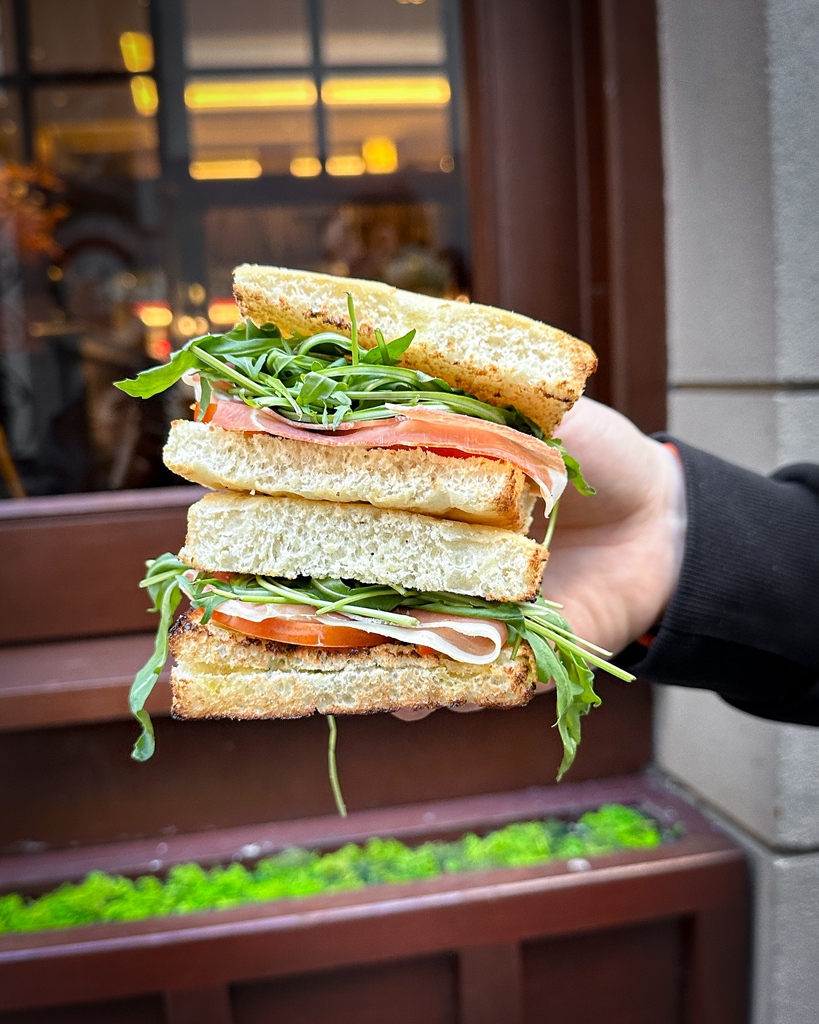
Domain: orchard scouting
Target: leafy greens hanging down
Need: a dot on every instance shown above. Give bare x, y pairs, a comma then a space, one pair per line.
326, 379
559, 654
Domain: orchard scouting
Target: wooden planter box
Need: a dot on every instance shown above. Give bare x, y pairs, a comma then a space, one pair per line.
639, 938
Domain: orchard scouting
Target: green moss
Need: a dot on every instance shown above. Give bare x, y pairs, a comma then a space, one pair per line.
297, 872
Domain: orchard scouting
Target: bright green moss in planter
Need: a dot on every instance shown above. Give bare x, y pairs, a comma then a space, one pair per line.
298, 872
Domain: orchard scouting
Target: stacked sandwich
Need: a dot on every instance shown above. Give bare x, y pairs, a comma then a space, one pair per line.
377, 456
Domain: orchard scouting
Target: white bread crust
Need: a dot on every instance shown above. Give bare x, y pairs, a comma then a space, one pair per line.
285, 536
220, 674
474, 490
500, 357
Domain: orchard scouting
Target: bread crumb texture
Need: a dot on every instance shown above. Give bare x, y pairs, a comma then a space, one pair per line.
500, 357
474, 490
221, 674
285, 536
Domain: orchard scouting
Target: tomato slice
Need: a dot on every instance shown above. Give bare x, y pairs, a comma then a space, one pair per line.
209, 412
305, 633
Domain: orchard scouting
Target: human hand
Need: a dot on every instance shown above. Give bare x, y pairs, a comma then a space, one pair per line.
615, 558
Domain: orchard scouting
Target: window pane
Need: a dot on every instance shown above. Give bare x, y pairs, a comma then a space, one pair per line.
90, 35
243, 128
381, 125
8, 58
90, 131
11, 141
411, 245
382, 32
246, 34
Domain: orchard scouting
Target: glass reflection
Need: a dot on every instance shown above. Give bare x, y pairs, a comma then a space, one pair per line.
382, 32
89, 35
246, 34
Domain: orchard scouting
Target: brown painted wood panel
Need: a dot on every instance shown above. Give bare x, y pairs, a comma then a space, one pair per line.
208, 1005
636, 213
522, 158
79, 785
622, 976
74, 681
405, 992
490, 980
141, 1010
91, 549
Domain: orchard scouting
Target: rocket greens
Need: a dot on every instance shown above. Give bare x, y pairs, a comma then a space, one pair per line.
559, 654
325, 379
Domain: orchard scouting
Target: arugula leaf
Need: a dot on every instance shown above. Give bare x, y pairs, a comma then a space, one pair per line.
163, 584
159, 378
572, 467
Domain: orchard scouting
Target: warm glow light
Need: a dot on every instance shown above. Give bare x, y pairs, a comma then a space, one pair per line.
386, 92
305, 166
223, 312
159, 349
154, 314
251, 94
345, 166
186, 325
206, 170
137, 49
380, 155
144, 95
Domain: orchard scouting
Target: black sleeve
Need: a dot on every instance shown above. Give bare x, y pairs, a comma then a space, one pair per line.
744, 620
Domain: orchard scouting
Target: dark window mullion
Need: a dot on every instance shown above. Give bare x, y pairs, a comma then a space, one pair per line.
314, 18
23, 76
78, 77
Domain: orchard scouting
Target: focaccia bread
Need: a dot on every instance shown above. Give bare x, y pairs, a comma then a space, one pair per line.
500, 357
231, 532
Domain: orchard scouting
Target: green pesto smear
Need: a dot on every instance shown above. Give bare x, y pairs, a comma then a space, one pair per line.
296, 872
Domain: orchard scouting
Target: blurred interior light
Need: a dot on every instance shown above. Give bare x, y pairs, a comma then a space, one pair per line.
205, 170
137, 49
223, 312
345, 165
186, 325
154, 314
251, 94
144, 95
431, 90
446, 163
159, 349
305, 166
380, 155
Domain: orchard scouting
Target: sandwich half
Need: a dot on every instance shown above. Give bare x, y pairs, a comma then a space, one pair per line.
452, 418
222, 673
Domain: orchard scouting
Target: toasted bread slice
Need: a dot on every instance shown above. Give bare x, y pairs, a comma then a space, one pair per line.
220, 674
502, 358
229, 532
474, 490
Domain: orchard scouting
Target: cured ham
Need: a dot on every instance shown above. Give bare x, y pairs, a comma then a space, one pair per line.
470, 640
411, 427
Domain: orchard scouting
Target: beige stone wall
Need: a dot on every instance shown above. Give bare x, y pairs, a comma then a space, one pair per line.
740, 81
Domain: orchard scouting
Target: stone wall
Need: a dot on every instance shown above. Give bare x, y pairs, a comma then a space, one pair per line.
740, 84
